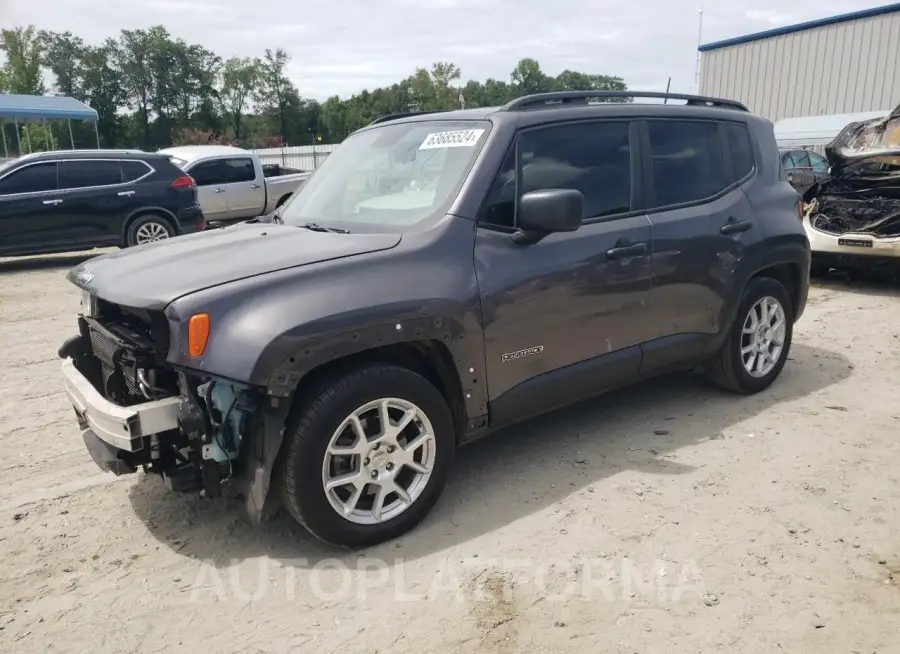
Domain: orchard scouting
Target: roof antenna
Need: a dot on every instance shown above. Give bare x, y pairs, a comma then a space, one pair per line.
668, 86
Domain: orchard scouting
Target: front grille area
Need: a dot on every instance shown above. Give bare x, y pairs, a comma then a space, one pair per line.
120, 355
129, 350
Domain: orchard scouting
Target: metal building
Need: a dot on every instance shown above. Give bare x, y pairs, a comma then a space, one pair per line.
839, 65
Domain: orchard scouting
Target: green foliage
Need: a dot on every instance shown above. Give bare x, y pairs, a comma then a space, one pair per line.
22, 70
151, 90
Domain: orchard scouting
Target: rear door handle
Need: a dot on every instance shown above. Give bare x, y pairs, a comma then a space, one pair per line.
126, 193
626, 251
220, 190
53, 202
735, 226
254, 186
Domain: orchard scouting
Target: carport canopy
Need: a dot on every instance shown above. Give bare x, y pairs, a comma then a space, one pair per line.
817, 131
42, 108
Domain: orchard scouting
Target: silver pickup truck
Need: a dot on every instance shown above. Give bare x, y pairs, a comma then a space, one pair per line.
232, 184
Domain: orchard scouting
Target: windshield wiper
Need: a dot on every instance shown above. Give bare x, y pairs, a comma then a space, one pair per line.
316, 227
268, 218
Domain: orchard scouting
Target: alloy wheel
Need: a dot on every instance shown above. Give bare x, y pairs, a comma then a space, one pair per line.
378, 461
763, 336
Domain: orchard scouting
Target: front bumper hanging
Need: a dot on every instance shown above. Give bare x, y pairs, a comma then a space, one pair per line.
124, 428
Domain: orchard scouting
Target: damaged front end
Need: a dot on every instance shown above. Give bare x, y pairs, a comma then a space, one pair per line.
137, 411
862, 195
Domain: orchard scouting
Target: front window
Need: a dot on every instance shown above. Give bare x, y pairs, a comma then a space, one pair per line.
390, 178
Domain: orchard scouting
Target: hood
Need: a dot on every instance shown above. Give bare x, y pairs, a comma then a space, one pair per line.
879, 137
153, 275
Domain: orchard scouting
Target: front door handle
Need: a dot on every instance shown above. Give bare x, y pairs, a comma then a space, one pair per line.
626, 251
735, 226
53, 202
220, 190
125, 194
254, 186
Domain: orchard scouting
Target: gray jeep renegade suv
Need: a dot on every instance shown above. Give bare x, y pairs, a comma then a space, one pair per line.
440, 276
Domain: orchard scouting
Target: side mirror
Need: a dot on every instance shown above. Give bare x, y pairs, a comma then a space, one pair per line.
802, 178
550, 210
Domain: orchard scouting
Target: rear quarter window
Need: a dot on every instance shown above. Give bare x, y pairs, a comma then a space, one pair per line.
133, 170
739, 150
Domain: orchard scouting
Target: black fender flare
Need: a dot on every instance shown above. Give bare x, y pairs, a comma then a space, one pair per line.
792, 253
465, 345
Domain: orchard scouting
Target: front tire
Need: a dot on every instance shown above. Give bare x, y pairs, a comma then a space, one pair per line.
759, 340
367, 456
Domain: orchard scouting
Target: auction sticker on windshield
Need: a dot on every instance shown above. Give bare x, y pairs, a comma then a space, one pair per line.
464, 138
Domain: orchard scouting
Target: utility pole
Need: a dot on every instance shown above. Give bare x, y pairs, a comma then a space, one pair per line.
699, 43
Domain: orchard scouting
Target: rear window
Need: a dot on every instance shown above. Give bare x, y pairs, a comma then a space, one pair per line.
687, 162
87, 174
240, 169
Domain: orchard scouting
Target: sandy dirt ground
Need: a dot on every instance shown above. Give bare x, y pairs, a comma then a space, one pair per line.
664, 518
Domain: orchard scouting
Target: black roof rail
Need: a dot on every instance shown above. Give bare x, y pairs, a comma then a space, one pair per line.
402, 114
582, 97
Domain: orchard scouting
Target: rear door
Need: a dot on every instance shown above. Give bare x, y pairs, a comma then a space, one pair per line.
212, 177
246, 191
96, 200
30, 208
702, 224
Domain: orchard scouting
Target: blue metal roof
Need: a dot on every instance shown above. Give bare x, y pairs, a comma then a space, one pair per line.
790, 29
44, 107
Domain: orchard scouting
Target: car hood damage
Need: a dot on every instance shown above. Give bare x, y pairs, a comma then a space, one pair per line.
862, 194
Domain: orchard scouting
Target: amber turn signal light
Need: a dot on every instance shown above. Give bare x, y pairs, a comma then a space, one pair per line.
198, 334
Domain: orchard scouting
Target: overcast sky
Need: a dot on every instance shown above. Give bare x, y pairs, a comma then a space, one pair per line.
343, 46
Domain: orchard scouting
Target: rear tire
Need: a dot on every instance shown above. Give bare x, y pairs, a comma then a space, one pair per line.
385, 490
759, 339
148, 229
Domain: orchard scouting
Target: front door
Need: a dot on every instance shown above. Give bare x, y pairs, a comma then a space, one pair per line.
212, 192
564, 317
702, 223
31, 216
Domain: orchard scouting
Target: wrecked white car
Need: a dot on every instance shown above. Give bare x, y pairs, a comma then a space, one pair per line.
852, 219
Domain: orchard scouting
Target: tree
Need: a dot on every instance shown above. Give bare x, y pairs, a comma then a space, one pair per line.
240, 78
22, 70
102, 90
63, 54
275, 88
150, 90
133, 56
528, 78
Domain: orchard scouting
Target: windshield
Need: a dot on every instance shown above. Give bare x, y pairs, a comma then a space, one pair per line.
389, 178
